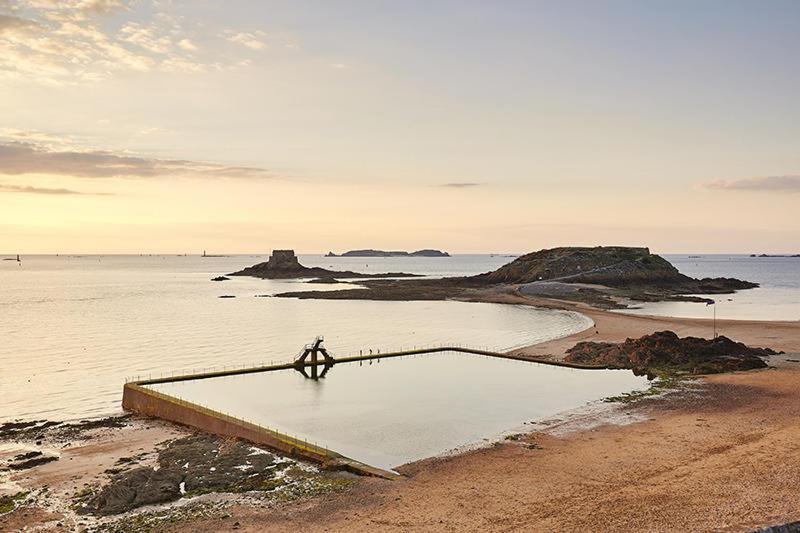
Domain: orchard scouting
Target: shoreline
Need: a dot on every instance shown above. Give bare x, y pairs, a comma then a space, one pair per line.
521, 470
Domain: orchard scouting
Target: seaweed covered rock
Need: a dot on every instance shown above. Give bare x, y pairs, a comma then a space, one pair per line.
665, 351
190, 465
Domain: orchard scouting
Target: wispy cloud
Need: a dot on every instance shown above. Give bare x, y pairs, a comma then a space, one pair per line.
765, 184
461, 185
68, 42
9, 23
252, 41
21, 158
187, 44
43, 190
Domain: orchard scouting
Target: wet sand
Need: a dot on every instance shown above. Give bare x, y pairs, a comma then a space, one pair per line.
725, 458
82, 462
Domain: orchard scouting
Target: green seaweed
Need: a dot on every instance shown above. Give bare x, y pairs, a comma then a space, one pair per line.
665, 382
9, 503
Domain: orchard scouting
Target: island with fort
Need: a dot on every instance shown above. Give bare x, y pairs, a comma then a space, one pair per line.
605, 276
283, 264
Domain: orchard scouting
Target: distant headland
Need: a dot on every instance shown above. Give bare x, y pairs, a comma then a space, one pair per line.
383, 253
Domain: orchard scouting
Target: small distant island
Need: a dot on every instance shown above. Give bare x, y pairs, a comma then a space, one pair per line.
771, 255
383, 253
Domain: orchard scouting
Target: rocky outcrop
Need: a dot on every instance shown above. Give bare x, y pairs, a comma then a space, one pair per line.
604, 276
611, 266
382, 253
327, 280
608, 274
283, 264
665, 351
190, 466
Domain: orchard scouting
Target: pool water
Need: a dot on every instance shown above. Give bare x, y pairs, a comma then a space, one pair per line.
400, 410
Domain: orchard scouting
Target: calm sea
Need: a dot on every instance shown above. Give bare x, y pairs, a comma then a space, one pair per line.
74, 327
778, 297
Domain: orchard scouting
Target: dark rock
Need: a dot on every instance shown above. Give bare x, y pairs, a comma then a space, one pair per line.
31, 463
220, 278
283, 264
227, 296
329, 280
140, 486
29, 455
611, 266
24, 429
665, 351
199, 464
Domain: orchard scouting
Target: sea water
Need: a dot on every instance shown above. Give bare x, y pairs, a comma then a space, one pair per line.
777, 298
73, 328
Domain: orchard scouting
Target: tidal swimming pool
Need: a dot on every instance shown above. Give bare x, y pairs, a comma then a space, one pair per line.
399, 410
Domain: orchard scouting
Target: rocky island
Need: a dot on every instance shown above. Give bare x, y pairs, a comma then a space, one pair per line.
283, 264
382, 253
605, 276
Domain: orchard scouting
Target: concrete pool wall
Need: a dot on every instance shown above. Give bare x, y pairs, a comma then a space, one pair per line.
139, 398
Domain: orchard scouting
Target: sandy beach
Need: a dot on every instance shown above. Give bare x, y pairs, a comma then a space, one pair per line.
721, 454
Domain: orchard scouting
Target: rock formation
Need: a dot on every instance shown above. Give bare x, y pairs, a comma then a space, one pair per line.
611, 266
604, 276
665, 351
283, 264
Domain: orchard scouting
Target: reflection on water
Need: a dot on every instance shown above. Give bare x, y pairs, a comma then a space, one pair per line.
73, 328
399, 410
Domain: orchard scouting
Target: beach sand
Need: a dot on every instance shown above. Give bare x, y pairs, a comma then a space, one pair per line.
723, 455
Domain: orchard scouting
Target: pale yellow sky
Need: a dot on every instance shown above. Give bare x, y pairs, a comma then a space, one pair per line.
151, 127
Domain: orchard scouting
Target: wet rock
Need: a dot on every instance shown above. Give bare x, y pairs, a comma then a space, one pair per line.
190, 466
9, 502
28, 460
220, 278
141, 486
29, 455
24, 429
665, 351
324, 280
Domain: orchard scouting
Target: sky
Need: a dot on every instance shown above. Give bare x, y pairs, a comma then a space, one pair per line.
158, 126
